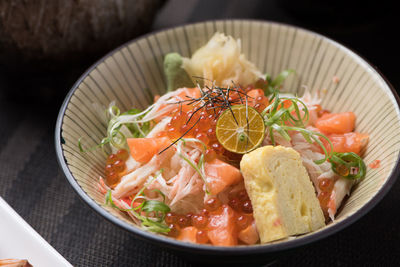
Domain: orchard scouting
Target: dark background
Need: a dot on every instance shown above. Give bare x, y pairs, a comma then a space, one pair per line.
32, 183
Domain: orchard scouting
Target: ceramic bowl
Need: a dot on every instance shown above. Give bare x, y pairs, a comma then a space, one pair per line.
133, 73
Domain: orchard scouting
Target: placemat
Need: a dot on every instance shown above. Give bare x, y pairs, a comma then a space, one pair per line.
33, 184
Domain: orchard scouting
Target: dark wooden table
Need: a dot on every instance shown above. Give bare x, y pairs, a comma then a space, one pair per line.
32, 183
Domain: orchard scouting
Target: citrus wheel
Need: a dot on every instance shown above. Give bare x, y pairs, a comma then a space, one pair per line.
240, 129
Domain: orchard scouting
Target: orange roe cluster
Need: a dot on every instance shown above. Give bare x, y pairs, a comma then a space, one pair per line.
326, 187
204, 222
199, 125
115, 167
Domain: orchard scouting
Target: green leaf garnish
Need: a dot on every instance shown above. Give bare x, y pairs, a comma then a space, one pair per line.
348, 165
114, 110
156, 206
154, 226
270, 86
278, 81
117, 137
161, 193
311, 137
137, 130
281, 120
101, 145
158, 210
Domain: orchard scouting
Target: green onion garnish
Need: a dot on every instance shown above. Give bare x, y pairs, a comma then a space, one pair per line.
270, 86
158, 209
280, 119
348, 165
117, 138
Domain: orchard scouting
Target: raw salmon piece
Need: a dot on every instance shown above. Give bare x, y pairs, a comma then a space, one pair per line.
220, 175
143, 149
222, 228
355, 142
338, 123
252, 96
338, 141
348, 142
187, 94
254, 93
188, 234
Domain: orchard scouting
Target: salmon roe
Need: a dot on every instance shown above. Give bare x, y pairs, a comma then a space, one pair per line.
201, 221
199, 125
242, 221
173, 230
326, 187
202, 237
115, 167
212, 204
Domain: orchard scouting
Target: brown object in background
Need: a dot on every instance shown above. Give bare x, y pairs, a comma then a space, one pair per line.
69, 30
14, 263
44, 45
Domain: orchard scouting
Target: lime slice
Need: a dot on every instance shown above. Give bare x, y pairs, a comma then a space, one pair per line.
240, 129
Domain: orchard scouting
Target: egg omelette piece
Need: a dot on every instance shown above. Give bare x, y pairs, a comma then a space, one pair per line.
281, 192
